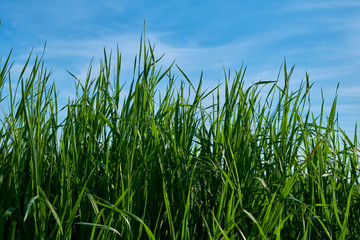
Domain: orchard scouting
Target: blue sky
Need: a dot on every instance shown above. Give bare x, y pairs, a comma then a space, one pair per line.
319, 37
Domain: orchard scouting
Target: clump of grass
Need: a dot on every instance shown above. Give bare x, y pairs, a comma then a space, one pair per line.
173, 168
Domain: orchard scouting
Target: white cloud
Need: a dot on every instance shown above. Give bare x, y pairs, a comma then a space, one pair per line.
75, 56
350, 92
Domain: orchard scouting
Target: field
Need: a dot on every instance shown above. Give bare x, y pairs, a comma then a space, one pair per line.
259, 165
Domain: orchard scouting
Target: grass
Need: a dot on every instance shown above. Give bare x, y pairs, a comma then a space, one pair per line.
260, 165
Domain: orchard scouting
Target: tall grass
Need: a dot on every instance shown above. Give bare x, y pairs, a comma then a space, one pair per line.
260, 165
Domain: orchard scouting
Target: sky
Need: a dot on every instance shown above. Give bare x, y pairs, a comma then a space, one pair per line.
321, 38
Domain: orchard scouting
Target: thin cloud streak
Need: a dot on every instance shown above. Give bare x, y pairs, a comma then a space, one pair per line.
315, 35
195, 59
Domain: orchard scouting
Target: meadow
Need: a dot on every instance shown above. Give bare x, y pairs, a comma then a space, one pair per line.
255, 165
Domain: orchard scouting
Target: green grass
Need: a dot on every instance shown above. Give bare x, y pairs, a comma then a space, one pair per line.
260, 165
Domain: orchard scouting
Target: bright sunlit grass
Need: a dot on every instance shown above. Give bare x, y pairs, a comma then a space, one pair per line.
170, 167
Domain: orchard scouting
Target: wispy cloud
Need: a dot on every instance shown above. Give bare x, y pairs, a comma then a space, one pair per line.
320, 37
